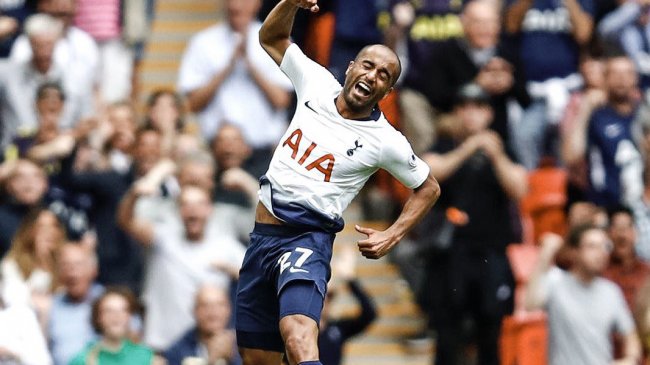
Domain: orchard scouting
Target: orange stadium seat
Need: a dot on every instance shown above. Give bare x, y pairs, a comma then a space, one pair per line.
524, 336
524, 340
543, 207
319, 37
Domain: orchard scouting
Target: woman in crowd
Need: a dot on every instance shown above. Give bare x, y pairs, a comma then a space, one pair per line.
28, 268
165, 113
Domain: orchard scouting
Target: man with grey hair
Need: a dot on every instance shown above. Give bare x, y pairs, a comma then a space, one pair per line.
69, 328
210, 341
74, 50
19, 81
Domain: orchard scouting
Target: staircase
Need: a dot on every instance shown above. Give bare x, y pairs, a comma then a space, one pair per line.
176, 21
399, 317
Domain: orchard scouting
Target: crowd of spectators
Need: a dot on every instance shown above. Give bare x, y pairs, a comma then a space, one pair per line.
123, 226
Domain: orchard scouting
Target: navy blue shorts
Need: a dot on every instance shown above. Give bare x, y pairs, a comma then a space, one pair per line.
277, 256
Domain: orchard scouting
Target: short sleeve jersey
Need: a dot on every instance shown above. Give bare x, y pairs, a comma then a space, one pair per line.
323, 159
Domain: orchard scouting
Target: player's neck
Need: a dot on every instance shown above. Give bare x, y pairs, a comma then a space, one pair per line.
344, 110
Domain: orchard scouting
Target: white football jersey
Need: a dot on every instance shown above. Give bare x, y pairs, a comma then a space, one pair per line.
323, 159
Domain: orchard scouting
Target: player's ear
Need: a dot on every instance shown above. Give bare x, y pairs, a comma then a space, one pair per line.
349, 67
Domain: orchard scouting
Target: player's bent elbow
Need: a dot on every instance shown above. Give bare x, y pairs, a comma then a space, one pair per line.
430, 188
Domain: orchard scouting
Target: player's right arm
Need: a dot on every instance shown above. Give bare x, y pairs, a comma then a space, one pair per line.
275, 33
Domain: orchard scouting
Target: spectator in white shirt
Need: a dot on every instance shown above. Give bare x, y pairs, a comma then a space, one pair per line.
181, 259
20, 79
21, 339
225, 62
76, 51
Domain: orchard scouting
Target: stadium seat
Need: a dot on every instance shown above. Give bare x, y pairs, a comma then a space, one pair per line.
542, 208
524, 335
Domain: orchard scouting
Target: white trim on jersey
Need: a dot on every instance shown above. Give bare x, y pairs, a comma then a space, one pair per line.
323, 160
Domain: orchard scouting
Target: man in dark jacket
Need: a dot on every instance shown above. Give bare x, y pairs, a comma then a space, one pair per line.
477, 57
211, 339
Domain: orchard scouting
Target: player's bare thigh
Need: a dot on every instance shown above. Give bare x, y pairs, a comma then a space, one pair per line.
260, 357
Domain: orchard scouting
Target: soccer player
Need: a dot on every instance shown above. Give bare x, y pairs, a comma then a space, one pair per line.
337, 139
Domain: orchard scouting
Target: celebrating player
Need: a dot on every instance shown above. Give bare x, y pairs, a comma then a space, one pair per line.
337, 139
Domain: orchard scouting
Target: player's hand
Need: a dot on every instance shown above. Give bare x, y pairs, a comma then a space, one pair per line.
378, 243
311, 5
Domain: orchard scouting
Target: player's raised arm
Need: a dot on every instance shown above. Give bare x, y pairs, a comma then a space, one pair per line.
276, 30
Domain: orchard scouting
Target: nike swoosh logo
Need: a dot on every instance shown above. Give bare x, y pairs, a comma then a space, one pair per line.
293, 270
310, 108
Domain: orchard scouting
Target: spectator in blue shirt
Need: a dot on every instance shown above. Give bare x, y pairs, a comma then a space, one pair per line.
551, 33
602, 134
69, 328
629, 27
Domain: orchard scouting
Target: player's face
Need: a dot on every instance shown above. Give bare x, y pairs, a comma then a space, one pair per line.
370, 77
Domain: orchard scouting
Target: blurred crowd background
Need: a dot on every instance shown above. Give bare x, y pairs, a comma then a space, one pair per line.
124, 215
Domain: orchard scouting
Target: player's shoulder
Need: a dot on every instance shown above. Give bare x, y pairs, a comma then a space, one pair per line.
386, 128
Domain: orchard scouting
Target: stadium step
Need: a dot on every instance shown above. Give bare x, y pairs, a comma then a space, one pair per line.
175, 22
399, 317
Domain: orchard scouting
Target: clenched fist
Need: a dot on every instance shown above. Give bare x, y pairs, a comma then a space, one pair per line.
312, 5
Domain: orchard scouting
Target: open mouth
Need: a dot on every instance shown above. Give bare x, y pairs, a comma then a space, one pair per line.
363, 89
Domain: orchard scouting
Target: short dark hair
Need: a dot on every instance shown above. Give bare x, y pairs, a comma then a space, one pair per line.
49, 85
618, 209
577, 233
399, 61
121, 291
